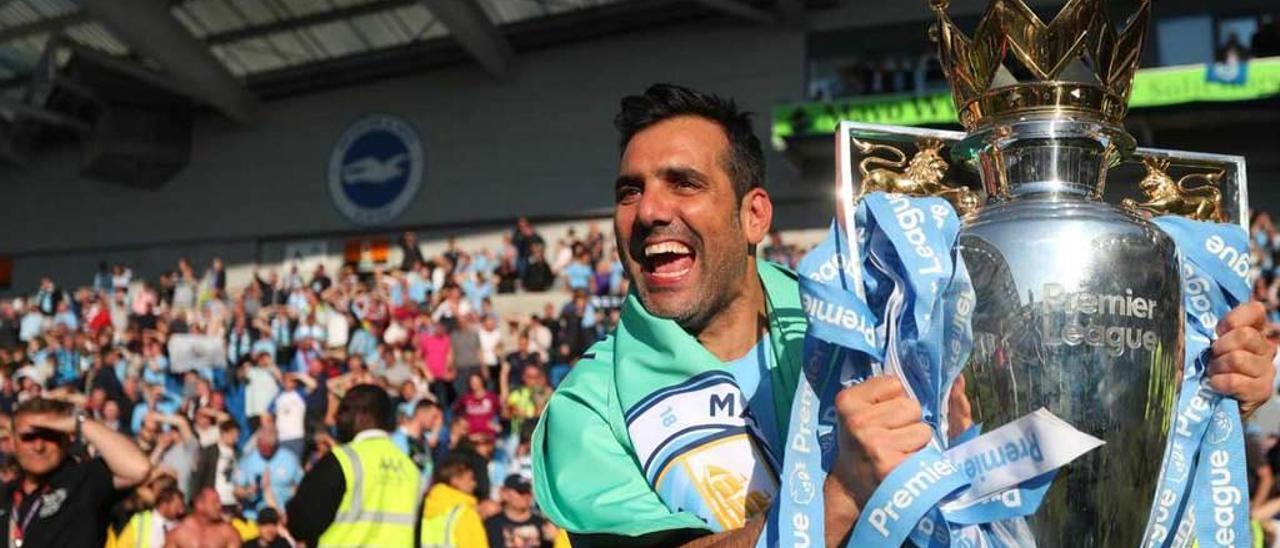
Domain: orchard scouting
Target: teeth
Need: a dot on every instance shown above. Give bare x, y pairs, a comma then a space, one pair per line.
666, 247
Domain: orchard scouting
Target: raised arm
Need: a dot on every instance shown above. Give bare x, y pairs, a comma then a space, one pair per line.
129, 466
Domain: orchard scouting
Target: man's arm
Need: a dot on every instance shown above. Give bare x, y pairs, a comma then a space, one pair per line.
316, 501
128, 464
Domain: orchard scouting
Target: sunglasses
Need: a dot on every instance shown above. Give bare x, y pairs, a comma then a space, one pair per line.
46, 435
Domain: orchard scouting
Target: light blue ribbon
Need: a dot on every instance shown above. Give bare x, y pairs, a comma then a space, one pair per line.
916, 310
1203, 480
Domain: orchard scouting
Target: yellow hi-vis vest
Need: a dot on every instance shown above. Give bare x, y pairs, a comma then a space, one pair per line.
137, 532
379, 506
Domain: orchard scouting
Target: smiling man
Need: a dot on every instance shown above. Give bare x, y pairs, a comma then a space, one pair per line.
671, 431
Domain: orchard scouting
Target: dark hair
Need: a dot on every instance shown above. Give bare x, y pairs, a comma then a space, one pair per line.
452, 467
167, 494
425, 404
43, 406
745, 161
228, 425
370, 401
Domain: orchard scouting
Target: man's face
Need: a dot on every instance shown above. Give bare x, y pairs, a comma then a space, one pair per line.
207, 505
172, 509
268, 531
678, 221
465, 482
516, 500
266, 443
38, 451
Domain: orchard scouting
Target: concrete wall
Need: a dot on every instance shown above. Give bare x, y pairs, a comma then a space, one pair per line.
539, 143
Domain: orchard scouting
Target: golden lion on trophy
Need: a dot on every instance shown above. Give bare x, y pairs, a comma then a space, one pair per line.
1168, 197
921, 176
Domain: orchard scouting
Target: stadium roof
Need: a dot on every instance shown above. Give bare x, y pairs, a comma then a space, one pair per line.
231, 53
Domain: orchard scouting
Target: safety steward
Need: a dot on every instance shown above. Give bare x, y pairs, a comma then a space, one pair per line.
366, 491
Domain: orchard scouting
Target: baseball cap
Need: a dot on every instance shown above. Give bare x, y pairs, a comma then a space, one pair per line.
268, 516
518, 483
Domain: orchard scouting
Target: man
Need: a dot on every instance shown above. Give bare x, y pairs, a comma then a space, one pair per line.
418, 433
205, 527
270, 466
289, 410
270, 535
150, 528
464, 340
518, 526
57, 501
449, 516
689, 214
363, 493
217, 464
528, 401
513, 366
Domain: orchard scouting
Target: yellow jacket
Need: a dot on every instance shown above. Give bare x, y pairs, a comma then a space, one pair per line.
467, 528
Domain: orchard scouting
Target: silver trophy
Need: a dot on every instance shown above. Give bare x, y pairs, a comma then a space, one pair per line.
1079, 304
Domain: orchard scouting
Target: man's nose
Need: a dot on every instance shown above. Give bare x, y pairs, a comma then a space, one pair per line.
656, 206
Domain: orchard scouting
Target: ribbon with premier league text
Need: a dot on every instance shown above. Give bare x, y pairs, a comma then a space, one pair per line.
1203, 489
898, 301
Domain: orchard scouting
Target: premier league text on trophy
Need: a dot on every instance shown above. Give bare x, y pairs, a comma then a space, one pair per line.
1075, 318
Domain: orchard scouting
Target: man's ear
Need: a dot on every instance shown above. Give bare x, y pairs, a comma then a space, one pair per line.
757, 215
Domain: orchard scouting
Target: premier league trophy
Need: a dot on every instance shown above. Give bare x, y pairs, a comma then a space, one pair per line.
1079, 304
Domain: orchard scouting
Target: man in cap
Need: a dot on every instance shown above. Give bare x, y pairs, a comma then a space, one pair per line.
518, 525
270, 533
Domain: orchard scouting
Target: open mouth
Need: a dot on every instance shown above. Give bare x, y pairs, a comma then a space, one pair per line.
667, 261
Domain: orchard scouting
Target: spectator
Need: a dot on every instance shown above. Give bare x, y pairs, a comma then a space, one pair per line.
289, 412
261, 387
45, 430
410, 253
419, 433
270, 533
490, 345
148, 528
537, 273
507, 275
270, 473
468, 358
449, 516
205, 526
437, 355
518, 525
523, 239
479, 406
578, 273
47, 298
217, 465
526, 402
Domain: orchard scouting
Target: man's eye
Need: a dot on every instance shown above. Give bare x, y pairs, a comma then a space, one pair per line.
627, 194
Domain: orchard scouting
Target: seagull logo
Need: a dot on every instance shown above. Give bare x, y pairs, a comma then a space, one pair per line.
372, 171
375, 169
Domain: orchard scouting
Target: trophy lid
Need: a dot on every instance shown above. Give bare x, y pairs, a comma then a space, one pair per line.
1017, 66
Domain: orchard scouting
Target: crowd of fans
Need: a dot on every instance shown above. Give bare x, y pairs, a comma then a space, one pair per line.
469, 380
1263, 451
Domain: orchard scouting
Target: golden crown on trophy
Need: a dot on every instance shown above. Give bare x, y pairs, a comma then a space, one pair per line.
1017, 65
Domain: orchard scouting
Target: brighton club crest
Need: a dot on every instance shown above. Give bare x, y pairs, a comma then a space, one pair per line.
375, 169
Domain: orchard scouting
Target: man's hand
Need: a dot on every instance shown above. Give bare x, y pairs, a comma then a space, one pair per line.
879, 427
65, 424
1241, 363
